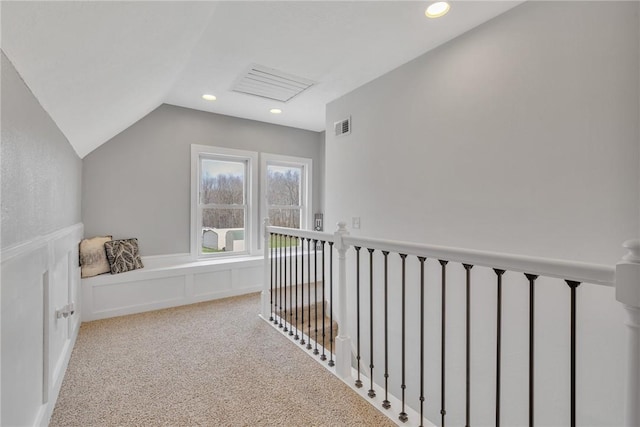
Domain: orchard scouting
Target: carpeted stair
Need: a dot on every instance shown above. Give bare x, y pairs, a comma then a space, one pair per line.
312, 311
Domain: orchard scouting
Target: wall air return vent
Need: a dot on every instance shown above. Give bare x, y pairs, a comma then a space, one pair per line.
342, 127
272, 84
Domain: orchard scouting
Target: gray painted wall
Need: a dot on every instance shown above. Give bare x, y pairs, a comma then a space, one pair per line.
41, 172
138, 183
520, 136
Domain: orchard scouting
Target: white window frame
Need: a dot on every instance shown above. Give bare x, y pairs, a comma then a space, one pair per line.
251, 188
306, 184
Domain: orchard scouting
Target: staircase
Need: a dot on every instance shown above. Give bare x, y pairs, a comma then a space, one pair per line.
306, 313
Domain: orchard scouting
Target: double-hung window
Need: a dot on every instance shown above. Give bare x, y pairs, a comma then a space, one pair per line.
223, 192
286, 190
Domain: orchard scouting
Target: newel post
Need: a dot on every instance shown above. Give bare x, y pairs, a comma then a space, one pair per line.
343, 340
266, 289
628, 293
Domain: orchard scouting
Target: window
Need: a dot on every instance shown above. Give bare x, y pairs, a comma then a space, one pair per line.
224, 198
223, 192
286, 190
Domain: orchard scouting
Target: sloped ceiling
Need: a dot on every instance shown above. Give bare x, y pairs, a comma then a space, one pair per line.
98, 67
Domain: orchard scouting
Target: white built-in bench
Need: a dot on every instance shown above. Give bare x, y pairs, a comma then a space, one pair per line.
169, 281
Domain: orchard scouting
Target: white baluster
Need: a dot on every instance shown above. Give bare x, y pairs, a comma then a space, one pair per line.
628, 293
343, 340
266, 286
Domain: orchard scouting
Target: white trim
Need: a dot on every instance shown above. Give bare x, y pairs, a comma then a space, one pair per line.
169, 281
171, 266
561, 269
251, 223
306, 234
154, 261
596, 274
36, 243
306, 184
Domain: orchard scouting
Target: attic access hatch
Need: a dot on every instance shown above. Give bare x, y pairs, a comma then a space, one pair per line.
270, 83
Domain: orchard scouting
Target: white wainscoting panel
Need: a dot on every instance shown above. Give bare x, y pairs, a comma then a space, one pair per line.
211, 283
38, 278
169, 281
249, 277
116, 298
58, 328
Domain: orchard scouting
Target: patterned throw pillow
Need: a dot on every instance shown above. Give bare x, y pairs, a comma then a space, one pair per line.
93, 258
123, 255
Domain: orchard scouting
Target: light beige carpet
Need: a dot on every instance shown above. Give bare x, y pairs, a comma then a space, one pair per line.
209, 364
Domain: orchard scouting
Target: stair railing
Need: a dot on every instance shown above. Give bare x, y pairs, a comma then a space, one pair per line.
299, 288
289, 270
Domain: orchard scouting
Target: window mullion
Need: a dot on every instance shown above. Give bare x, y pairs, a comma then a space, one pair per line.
219, 206
285, 206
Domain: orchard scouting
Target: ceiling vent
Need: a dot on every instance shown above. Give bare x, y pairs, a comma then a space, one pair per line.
342, 127
272, 84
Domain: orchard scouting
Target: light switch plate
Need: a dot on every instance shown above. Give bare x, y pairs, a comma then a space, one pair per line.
355, 222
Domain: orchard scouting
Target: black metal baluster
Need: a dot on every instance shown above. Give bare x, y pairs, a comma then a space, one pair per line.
422, 260
358, 381
286, 261
315, 293
573, 285
323, 356
280, 325
385, 403
277, 283
271, 276
309, 293
403, 415
296, 336
499, 273
274, 242
532, 278
443, 347
331, 363
371, 392
277, 280
468, 268
302, 341
290, 286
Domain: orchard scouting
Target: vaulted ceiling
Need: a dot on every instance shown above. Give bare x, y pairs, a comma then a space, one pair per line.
98, 67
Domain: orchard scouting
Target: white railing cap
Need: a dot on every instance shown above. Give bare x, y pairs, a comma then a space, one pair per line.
306, 234
560, 269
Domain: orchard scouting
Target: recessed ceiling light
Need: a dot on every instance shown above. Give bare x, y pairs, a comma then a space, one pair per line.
437, 9
208, 97
276, 111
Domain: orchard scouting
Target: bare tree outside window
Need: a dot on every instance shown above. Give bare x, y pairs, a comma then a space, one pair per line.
284, 196
223, 203
284, 199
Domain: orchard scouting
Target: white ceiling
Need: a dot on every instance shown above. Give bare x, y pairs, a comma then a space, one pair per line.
98, 67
